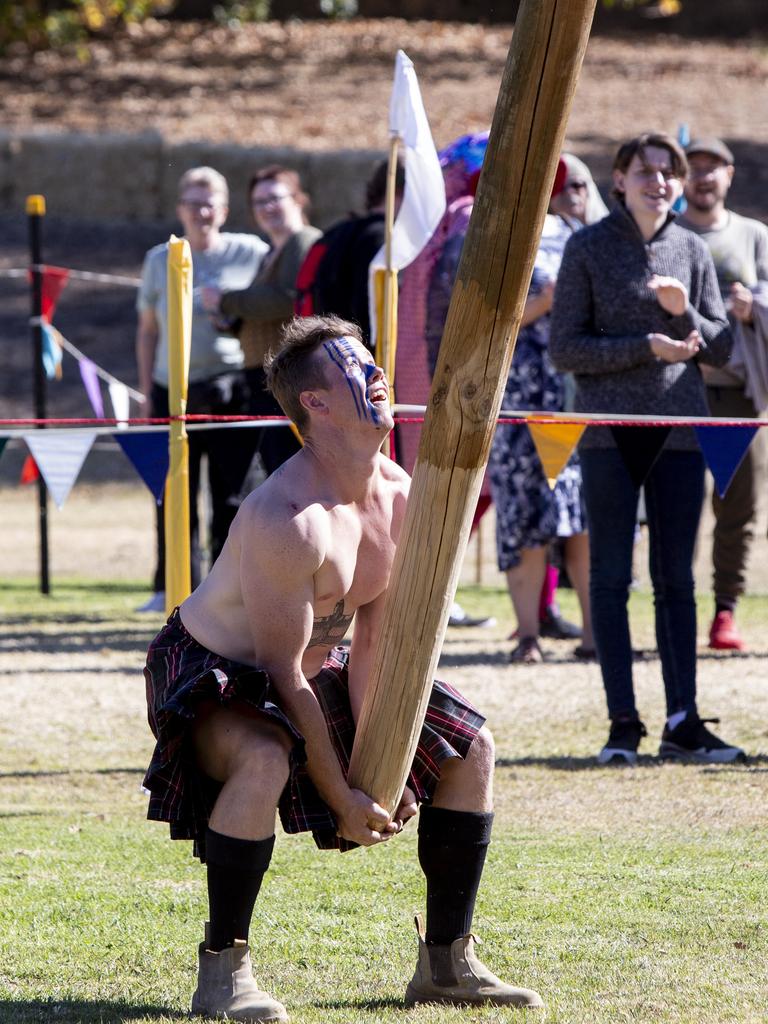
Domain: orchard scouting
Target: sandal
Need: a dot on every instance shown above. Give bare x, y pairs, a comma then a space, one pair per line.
527, 652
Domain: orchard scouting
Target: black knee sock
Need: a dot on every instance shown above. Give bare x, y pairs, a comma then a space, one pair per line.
235, 870
452, 848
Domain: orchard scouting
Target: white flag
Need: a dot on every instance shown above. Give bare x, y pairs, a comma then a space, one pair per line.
118, 396
424, 197
59, 455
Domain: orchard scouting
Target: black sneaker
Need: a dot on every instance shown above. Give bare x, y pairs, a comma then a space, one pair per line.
690, 740
554, 627
623, 741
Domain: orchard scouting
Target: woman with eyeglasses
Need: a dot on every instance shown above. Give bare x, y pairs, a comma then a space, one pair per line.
529, 514
637, 308
279, 206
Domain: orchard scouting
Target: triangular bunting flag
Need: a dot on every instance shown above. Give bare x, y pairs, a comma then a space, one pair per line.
149, 454
29, 471
554, 443
639, 447
118, 396
54, 279
59, 456
51, 353
3, 443
723, 449
92, 386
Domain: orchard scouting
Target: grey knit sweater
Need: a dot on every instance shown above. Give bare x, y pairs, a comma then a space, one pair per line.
603, 313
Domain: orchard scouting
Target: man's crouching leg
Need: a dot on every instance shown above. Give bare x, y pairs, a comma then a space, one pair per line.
250, 757
454, 833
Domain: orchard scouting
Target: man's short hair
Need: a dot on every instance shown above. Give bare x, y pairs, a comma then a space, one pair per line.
292, 367
637, 146
204, 177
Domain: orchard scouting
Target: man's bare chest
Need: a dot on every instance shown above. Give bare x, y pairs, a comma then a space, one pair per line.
356, 568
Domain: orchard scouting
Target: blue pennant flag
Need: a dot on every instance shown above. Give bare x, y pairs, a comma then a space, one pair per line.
3, 443
149, 454
723, 449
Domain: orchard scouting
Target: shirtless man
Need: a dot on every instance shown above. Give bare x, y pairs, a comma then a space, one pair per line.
254, 707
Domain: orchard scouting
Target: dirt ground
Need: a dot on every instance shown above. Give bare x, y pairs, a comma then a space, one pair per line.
325, 85
106, 532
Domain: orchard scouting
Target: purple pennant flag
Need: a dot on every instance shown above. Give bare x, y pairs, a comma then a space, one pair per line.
148, 451
92, 386
723, 449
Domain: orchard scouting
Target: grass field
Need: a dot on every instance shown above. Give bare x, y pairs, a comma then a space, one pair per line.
635, 895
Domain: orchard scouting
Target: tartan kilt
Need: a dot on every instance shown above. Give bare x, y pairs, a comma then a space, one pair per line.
180, 673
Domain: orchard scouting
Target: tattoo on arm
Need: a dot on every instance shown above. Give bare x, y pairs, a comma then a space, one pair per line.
330, 629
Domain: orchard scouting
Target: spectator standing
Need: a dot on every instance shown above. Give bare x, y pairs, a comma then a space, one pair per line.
216, 380
333, 278
637, 308
258, 311
739, 248
530, 514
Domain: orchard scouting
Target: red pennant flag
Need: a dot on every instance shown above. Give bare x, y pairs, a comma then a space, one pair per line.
54, 280
29, 471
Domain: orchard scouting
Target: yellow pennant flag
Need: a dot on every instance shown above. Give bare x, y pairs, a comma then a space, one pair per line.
178, 581
554, 444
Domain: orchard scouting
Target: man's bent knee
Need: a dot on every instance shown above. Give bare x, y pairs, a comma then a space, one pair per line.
467, 785
483, 752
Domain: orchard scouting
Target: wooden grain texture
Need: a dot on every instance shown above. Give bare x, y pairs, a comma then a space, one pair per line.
178, 573
526, 137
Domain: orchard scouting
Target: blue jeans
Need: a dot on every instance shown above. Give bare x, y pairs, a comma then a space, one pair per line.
674, 491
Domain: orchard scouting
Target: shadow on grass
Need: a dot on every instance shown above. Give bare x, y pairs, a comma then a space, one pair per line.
128, 638
65, 618
458, 659
134, 668
368, 1005
579, 764
42, 774
29, 586
80, 1011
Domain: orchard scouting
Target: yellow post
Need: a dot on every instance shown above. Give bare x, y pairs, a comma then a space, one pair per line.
385, 284
178, 578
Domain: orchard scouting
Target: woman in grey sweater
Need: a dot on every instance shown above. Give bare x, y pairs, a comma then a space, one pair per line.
636, 309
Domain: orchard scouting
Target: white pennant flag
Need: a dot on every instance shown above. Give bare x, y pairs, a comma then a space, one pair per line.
424, 197
59, 455
118, 396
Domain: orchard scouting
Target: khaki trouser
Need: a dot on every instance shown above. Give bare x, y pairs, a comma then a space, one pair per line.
735, 513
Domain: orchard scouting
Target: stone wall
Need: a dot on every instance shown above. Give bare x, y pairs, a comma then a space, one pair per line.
133, 177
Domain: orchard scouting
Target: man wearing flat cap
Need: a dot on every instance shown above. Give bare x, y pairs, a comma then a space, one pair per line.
739, 247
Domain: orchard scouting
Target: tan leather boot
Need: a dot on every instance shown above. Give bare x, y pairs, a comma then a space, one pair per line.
226, 989
453, 974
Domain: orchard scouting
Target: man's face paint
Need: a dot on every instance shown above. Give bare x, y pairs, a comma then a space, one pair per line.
358, 375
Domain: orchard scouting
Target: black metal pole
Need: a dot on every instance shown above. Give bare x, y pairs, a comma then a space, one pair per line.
35, 214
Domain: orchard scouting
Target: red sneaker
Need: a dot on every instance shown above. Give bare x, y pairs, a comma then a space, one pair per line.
723, 634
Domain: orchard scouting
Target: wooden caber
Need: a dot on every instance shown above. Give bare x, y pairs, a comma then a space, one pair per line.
526, 138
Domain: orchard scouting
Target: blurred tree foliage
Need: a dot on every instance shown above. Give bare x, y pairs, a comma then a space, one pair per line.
41, 24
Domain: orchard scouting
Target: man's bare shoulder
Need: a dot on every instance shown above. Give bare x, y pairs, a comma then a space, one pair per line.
282, 519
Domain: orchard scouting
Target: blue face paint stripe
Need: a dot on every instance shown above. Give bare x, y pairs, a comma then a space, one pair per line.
369, 370
331, 349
